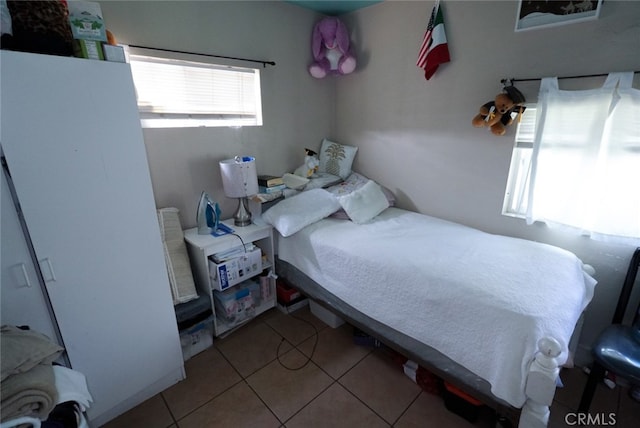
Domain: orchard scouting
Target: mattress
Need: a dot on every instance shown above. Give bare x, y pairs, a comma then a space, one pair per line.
481, 300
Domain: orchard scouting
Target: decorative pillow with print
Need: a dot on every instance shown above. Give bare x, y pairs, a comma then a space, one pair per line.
364, 204
354, 182
336, 158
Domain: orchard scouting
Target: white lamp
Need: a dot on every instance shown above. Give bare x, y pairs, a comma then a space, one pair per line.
240, 180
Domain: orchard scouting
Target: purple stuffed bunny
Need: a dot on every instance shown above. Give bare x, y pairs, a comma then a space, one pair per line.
330, 48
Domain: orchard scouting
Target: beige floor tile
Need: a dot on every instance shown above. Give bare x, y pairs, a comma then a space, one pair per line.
428, 410
208, 374
238, 407
286, 391
297, 326
381, 385
607, 403
252, 347
305, 313
334, 350
574, 380
336, 408
267, 315
152, 413
560, 414
373, 391
628, 415
571, 418
604, 400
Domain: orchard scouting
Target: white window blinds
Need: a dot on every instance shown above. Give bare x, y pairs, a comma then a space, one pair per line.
526, 130
515, 200
175, 92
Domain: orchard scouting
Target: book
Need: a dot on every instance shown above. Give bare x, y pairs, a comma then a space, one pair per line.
271, 189
233, 252
266, 180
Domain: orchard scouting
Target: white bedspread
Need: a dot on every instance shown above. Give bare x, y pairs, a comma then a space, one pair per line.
483, 300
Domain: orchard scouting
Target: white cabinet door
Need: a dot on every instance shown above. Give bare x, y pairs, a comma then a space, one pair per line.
23, 302
74, 146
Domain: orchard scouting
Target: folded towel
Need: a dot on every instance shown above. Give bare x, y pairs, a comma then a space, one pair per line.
22, 422
32, 393
72, 386
20, 350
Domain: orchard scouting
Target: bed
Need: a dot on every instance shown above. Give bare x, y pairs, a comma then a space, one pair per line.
491, 314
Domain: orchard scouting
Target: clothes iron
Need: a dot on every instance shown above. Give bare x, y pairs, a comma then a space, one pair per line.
208, 217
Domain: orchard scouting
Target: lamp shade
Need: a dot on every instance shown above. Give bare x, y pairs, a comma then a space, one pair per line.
239, 176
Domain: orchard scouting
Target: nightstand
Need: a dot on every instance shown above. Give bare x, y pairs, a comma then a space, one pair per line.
201, 247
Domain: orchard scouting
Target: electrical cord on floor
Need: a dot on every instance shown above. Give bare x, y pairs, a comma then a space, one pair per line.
313, 350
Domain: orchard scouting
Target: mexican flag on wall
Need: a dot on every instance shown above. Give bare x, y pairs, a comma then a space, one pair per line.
434, 49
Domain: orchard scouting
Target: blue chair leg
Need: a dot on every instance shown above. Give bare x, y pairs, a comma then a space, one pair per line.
596, 375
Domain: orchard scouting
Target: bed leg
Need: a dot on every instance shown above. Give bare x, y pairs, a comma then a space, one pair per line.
541, 385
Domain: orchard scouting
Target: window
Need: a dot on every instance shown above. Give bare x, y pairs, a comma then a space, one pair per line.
515, 197
179, 93
576, 160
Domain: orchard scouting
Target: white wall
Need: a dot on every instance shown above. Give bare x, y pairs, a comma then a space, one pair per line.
297, 109
415, 136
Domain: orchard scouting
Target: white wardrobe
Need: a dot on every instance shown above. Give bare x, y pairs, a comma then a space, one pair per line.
73, 145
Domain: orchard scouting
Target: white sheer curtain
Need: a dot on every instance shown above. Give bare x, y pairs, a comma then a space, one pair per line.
586, 159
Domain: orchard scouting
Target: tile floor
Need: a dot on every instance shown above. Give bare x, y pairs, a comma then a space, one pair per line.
261, 376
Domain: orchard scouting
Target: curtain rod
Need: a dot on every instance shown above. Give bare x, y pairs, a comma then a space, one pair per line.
264, 63
533, 79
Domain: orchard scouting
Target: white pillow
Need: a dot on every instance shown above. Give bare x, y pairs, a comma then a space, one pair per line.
294, 213
354, 182
336, 158
365, 203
